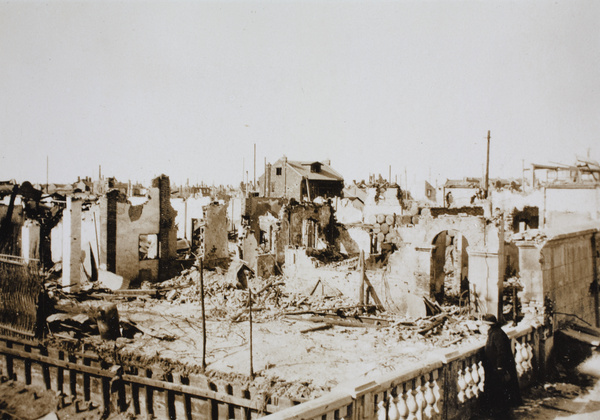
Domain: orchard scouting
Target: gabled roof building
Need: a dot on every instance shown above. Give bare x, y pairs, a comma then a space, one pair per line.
300, 180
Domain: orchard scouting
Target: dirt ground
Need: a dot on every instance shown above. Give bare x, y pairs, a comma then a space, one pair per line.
298, 365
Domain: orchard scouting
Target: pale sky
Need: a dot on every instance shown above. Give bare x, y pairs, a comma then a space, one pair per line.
186, 88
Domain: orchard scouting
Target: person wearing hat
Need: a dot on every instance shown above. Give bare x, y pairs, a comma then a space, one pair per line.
501, 387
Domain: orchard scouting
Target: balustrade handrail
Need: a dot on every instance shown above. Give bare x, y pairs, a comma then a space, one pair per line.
346, 394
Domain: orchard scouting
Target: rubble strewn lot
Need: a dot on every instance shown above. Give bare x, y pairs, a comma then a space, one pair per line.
293, 356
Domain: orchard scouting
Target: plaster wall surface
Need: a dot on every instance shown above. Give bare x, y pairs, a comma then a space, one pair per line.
561, 268
56, 242
133, 221
90, 235
386, 203
485, 255
71, 252
460, 196
347, 212
406, 280
188, 209
305, 272
567, 265
353, 240
215, 232
287, 184
580, 200
294, 217
30, 240
507, 200
234, 211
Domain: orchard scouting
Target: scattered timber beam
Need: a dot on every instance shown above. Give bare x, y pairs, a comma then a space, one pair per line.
318, 328
344, 322
439, 320
371, 291
136, 292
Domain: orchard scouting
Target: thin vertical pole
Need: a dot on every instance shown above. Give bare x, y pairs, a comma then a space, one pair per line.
487, 166
250, 335
203, 316
361, 293
254, 185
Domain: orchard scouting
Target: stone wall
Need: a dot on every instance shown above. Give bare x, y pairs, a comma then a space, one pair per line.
567, 266
293, 222
562, 268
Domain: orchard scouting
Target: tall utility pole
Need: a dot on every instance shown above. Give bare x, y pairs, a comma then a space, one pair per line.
487, 167
203, 313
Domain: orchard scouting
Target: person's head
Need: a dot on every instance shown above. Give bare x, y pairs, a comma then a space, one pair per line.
488, 321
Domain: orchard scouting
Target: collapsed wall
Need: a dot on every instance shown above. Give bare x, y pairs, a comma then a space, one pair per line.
138, 242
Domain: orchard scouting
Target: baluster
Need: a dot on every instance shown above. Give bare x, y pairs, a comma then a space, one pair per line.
461, 386
468, 382
525, 355
475, 376
401, 405
481, 372
381, 413
420, 398
392, 409
518, 358
411, 403
530, 355
436, 393
429, 399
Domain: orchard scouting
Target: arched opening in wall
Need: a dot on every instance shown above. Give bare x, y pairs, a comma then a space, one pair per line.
450, 268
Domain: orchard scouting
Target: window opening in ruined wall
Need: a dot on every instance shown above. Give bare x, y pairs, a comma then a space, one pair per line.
450, 268
309, 233
148, 247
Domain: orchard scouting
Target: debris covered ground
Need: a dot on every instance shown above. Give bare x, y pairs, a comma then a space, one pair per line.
303, 346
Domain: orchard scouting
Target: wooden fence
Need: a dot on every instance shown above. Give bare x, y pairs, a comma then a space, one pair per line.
151, 393
20, 288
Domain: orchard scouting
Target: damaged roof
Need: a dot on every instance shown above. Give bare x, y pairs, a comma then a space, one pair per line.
304, 169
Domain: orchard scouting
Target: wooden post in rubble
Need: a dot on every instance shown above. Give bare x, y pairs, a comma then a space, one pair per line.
361, 293
250, 335
203, 315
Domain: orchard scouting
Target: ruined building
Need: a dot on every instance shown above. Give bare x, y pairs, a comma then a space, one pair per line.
300, 180
138, 242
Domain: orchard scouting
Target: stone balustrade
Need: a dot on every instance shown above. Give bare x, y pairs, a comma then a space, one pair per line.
448, 387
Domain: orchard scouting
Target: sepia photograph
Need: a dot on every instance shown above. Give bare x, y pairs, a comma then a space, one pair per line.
299, 209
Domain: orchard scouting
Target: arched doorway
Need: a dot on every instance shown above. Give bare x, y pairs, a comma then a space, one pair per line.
450, 268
